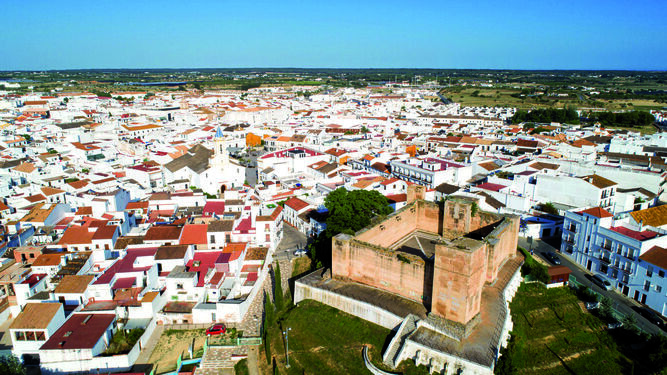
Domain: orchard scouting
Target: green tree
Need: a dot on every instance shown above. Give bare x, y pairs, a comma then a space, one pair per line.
10, 365
268, 312
550, 208
350, 211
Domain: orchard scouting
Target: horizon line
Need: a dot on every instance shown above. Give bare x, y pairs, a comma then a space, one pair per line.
346, 68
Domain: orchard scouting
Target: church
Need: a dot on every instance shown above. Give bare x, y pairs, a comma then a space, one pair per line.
210, 170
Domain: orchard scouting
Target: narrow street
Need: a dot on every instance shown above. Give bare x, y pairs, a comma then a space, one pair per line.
620, 302
292, 240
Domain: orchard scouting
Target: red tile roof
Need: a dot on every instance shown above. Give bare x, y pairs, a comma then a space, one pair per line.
76, 236
105, 232
597, 212
657, 256
194, 234
126, 265
137, 205
201, 262
491, 186
214, 207
641, 236
296, 204
162, 233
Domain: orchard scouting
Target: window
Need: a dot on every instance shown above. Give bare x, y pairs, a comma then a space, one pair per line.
649, 271
658, 288
647, 285
603, 268
661, 273
212, 239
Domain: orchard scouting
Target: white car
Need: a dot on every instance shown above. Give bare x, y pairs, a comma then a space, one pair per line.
300, 252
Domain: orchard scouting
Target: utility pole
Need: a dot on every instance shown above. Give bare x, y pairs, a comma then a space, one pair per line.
286, 333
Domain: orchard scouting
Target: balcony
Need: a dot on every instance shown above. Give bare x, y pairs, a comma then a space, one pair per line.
572, 228
569, 240
606, 246
604, 259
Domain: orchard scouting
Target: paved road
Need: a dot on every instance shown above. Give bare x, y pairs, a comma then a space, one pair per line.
292, 240
620, 302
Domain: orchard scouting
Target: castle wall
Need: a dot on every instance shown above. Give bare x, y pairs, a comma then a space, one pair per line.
458, 278
392, 229
365, 264
501, 245
349, 305
458, 217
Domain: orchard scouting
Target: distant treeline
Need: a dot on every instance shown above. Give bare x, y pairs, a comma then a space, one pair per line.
567, 115
624, 119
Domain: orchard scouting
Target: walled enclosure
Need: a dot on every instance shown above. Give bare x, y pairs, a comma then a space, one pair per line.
467, 249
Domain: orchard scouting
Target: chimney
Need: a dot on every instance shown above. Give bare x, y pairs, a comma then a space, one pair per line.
641, 225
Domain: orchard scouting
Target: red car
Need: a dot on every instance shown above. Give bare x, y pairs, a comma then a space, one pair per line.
217, 329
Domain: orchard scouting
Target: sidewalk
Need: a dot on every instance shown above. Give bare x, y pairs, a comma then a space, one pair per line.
142, 364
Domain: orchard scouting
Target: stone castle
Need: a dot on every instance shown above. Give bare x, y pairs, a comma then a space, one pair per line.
440, 275
440, 255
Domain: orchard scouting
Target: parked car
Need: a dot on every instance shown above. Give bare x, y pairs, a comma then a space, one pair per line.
552, 257
602, 283
592, 305
300, 252
216, 329
651, 316
614, 323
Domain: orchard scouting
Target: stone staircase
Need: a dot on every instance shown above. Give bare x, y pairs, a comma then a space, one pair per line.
218, 359
405, 329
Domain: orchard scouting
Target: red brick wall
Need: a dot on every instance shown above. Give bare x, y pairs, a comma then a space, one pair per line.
381, 269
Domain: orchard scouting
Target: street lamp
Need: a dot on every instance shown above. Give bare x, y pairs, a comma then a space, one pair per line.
286, 333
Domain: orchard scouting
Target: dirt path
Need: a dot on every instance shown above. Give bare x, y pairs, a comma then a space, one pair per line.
253, 358
559, 363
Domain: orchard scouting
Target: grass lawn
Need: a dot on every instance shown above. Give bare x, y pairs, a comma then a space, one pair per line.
554, 334
323, 340
301, 265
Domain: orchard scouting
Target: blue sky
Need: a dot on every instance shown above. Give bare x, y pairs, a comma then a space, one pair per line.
538, 34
